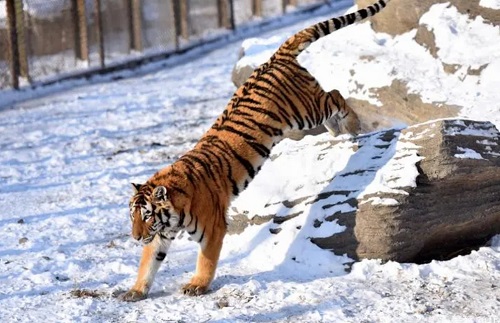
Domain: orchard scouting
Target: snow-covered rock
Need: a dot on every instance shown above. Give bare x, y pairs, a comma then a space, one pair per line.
411, 194
403, 16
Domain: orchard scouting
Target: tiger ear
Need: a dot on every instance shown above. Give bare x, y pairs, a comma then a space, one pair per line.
159, 194
136, 187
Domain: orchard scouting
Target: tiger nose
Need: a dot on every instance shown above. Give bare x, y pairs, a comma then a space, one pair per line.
137, 237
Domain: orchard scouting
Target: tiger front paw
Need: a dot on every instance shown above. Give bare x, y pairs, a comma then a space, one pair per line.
194, 289
133, 296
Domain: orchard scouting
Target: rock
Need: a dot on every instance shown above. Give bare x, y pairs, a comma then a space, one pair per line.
253, 52
398, 104
456, 200
402, 16
421, 193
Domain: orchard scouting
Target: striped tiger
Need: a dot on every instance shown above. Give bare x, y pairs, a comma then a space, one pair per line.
193, 193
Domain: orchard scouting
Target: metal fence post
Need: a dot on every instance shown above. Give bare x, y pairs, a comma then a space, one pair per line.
135, 27
99, 31
81, 38
13, 45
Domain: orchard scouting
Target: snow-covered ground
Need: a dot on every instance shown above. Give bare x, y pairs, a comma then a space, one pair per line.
66, 161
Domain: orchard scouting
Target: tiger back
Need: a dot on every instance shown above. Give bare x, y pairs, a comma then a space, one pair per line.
193, 193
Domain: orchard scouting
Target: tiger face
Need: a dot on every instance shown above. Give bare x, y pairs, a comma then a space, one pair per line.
152, 213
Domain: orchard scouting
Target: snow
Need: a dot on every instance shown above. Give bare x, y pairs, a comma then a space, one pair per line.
67, 160
258, 50
49, 10
468, 153
52, 9
3, 15
456, 31
492, 4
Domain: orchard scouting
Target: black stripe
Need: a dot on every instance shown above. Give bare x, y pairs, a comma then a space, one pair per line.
324, 27
304, 98
242, 134
363, 13
240, 121
253, 123
182, 217
310, 124
267, 93
267, 129
315, 33
268, 113
297, 71
286, 54
377, 7
166, 213
251, 141
337, 23
351, 18
215, 141
372, 10
205, 165
277, 100
202, 235
214, 159
160, 256
234, 185
259, 148
246, 164
342, 19
195, 226
192, 173
281, 87
178, 189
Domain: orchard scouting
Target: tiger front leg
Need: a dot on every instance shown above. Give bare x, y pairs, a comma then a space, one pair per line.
151, 259
208, 256
345, 120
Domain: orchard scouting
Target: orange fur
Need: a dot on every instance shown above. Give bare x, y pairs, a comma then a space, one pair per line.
194, 193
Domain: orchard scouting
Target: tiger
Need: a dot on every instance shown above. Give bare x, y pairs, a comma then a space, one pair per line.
193, 193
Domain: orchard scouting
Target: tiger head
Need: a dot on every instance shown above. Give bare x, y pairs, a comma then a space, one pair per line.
151, 212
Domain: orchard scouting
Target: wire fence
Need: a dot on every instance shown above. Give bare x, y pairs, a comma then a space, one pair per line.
44, 40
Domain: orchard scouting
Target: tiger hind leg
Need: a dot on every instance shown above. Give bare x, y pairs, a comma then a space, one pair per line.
345, 120
206, 265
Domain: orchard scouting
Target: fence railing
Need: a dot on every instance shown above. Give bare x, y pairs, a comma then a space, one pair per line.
41, 40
